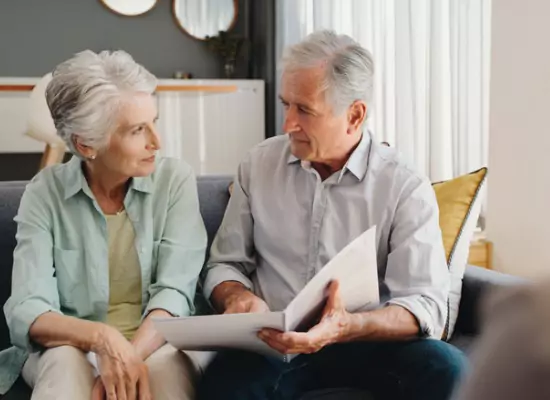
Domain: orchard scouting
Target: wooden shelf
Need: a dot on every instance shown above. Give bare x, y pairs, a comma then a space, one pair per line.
16, 88
160, 88
481, 253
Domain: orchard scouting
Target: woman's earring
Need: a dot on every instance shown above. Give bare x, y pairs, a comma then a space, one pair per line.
92, 157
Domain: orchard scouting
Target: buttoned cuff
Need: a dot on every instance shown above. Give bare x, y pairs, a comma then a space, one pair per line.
219, 273
170, 300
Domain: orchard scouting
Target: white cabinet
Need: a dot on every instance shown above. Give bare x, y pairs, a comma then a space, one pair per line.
212, 130
209, 123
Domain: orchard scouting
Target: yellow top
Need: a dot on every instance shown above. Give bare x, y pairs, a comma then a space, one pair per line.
125, 306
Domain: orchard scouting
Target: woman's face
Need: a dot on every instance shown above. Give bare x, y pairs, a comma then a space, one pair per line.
133, 146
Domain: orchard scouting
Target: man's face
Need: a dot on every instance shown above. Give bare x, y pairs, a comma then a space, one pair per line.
316, 133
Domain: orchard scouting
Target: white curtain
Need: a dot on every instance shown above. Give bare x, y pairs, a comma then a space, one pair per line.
431, 67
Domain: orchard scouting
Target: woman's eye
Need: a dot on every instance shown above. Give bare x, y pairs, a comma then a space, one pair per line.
138, 130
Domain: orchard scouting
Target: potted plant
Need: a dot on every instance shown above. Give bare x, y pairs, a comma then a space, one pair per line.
228, 47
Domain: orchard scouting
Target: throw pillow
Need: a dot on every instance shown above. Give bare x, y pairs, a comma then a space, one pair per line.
459, 201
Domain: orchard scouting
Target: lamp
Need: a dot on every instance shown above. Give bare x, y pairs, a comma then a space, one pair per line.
40, 124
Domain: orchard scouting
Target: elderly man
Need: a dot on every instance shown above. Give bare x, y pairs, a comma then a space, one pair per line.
297, 201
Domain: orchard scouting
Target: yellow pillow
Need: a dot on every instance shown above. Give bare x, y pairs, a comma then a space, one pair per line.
455, 198
459, 201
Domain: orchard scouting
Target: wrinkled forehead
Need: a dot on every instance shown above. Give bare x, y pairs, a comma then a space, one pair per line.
137, 108
300, 84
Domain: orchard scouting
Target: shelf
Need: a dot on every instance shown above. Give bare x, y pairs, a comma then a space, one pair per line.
160, 88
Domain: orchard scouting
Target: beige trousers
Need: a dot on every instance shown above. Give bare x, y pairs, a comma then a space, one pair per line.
65, 373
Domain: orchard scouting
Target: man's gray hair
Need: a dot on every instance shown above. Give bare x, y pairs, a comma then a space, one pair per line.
349, 66
85, 92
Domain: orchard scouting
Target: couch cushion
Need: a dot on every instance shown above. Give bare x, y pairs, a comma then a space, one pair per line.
10, 195
213, 198
19, 391
337, 394
459, 202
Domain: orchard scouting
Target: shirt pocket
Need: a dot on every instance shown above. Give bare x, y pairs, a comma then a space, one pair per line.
71, 278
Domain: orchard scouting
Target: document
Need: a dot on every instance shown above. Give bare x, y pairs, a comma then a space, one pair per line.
355, 267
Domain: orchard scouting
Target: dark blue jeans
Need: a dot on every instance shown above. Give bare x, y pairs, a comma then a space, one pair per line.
421, 369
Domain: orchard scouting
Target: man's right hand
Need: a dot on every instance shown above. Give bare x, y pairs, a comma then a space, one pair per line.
235, 298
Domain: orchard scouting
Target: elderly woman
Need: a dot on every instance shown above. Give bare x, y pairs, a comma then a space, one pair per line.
105, 243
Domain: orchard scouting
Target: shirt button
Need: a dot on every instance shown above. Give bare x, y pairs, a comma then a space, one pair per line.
142, 250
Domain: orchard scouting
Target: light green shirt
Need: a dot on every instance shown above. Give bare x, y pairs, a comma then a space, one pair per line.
61, 261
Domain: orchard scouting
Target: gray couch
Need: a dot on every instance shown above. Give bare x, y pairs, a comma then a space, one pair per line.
213, 199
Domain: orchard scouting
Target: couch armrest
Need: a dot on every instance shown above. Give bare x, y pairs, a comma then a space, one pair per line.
476, 284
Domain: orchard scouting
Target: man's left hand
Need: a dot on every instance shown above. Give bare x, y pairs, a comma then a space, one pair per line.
332, 328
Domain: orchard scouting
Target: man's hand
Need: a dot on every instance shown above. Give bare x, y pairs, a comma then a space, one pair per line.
245, 302
235, 298
332, 328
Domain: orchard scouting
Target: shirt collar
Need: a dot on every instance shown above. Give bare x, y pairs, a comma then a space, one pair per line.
75, 180
357, 162
292, 159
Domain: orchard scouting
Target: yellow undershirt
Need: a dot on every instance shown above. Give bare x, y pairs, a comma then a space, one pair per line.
125, 309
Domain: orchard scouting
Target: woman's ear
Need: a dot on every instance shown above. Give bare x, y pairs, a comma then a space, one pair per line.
86, 151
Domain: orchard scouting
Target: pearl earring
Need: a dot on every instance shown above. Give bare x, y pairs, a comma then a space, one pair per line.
92, 157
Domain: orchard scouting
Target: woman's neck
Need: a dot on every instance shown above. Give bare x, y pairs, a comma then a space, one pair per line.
104, 184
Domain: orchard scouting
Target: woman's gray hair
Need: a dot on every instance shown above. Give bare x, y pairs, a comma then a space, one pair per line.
349, 66
85, 92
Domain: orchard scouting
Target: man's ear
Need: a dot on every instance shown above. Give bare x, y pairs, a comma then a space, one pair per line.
357, 114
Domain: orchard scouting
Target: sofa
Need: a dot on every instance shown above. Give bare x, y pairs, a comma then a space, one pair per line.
213, 196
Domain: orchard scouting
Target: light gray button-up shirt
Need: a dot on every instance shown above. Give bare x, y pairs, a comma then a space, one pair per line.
284, 223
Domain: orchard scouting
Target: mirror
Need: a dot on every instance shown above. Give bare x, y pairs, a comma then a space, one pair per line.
129, 8
202, 18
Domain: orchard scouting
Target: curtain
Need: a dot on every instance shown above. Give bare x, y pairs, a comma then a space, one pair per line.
431, 72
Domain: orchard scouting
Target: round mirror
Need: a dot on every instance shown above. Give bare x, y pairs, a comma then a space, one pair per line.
202, 18
129, 8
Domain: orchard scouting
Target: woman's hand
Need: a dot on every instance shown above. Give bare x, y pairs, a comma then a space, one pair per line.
124, 375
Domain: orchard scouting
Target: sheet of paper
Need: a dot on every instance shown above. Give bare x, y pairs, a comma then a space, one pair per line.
355, 268
226, 331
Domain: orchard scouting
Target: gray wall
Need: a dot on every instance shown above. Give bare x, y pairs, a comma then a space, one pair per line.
35, 35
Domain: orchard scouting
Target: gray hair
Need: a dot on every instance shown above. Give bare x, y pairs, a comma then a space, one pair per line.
349, 66
85, 91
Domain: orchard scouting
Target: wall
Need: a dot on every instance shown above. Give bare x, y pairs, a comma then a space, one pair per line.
35, 35
519, 161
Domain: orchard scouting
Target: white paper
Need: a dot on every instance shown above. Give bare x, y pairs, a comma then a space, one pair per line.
216, 332
355, 268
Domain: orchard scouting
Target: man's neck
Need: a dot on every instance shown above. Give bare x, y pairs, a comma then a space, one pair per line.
330, 166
